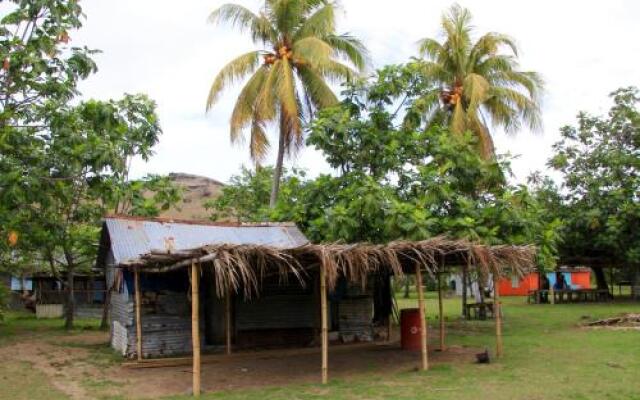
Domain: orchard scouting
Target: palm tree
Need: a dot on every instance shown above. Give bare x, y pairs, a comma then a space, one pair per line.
476, 84
288, 76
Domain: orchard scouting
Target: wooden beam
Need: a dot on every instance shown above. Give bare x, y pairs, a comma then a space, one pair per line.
497, 316
227, 320
138, 298
423, 321
324, 325
441, 313
195, 327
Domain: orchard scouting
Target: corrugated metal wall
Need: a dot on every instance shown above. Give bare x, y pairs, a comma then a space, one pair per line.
163, 334
284, 314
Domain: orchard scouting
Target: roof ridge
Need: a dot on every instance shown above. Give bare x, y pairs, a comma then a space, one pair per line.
267, 224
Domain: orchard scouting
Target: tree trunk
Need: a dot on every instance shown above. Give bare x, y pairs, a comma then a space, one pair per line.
601, 279
71, 302
277, 173
635, 286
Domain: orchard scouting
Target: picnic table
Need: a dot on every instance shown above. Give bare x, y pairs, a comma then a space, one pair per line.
570, 295
479, 310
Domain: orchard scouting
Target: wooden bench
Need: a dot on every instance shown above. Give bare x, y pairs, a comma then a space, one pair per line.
480, 310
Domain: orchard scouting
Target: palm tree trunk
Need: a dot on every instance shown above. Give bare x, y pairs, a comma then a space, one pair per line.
277, 173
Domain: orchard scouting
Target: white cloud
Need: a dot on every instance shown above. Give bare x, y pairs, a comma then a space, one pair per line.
166, 49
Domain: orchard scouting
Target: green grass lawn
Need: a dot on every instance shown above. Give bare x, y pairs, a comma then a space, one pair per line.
547, 356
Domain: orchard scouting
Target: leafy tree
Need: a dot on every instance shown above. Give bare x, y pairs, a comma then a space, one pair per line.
400, 182
599, 160
246, 197
39, 69
77, 177
38, 65
148, 197
62, 167
288, 77
475, 84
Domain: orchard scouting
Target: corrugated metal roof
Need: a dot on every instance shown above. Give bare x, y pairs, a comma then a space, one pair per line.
132, 237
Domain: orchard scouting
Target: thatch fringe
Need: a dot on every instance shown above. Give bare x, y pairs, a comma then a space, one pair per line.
244, 267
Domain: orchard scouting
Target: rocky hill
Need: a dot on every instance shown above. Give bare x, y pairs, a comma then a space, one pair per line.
196, 190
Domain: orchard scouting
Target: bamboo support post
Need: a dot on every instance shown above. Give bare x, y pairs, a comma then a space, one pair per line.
138, 299
324, 325
423, 321
195, 327
441, 313
227, 321
498, 317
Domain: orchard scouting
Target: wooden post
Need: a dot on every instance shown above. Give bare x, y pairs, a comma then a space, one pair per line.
324, 324
138, 297
423, 322
441, 313
227, 320
390, 316
195, 327
498, 316
465, 271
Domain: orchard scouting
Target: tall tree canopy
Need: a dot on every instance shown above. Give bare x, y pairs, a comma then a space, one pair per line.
397, 182
599, 159
477, 85
64, 164
300, 53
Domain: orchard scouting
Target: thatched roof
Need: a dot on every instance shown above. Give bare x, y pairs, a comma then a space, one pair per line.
243, 267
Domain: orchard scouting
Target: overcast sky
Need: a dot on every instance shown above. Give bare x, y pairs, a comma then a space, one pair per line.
166, 49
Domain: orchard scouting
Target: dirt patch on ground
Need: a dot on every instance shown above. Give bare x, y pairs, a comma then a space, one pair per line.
70, 363
56, 364
277, 368
623, 321
82, 367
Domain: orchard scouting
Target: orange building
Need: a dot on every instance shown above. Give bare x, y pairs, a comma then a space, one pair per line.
576, 278
518, 287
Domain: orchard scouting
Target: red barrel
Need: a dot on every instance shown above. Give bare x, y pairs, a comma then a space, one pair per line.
410, 329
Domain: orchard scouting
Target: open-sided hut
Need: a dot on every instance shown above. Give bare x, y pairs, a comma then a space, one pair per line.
265, 284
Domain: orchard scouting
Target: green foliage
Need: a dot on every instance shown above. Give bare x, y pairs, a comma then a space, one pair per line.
38, 64
599, 160
149, 196
38, 78
63, 166
4, 298
246, 197
397, 180
75, 173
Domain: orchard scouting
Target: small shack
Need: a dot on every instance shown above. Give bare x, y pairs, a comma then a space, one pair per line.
181, 286
576, 278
